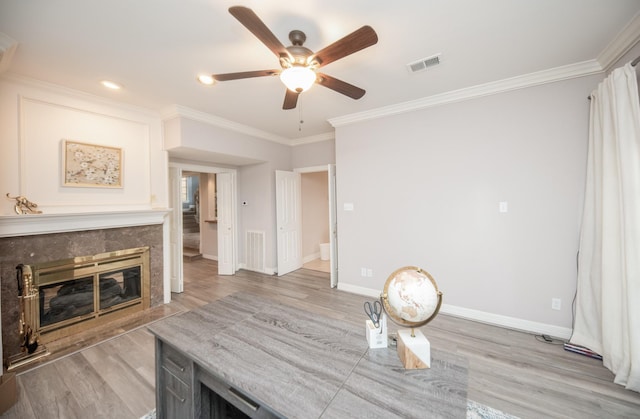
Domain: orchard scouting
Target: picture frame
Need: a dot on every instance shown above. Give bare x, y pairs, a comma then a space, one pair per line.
88, 165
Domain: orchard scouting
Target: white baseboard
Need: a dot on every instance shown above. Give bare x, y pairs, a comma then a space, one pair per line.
506, 321
269, 271
311, 257
210, 257
354, 289
479, 316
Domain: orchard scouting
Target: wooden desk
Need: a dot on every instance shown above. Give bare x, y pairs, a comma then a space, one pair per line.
273, 360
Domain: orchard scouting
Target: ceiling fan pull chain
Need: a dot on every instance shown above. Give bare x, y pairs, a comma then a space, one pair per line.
300, 116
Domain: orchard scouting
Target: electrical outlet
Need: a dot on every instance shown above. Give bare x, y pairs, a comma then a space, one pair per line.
363, 272
369, 273
556, 303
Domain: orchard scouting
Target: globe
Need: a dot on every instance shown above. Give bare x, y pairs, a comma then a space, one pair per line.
411, 297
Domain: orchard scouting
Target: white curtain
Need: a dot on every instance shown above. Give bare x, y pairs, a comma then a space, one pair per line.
608, 298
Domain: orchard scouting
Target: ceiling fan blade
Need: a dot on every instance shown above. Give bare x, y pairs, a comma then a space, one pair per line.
354, 42
252, 22
340, 86
290, 99
245, 75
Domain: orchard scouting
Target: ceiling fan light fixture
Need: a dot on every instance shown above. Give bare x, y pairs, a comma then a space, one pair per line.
298, 78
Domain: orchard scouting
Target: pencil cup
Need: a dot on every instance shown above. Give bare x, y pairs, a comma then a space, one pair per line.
377, 336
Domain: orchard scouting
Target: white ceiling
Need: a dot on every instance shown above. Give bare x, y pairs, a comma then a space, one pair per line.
156, 48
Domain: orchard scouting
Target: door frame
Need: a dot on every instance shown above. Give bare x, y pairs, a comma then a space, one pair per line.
176, 283
177, 204
333, 205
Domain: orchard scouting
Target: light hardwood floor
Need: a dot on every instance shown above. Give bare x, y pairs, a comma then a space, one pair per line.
508, 370
318, 265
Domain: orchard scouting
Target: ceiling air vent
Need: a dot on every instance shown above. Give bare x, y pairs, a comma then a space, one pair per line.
423, 63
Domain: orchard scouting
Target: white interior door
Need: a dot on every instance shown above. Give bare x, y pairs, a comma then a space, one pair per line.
288, 221
175, 230
333, 226
226, 224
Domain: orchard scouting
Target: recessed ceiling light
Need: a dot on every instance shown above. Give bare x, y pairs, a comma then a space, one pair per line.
206, 79
111, 85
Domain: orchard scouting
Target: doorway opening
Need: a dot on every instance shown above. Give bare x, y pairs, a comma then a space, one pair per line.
191, 214
318, 242
315, 221
205, 224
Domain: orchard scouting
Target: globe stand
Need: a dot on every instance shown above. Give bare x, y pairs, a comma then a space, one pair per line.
414, 349
411, 298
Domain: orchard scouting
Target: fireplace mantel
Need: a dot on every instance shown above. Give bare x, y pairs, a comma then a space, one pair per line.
34, 224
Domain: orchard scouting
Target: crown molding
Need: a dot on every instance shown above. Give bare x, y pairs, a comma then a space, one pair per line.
170, 112
581, 69
621, 44
58, 89
626, 39
176, 111
314, 139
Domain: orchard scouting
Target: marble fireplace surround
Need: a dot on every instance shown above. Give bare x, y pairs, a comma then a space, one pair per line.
40, 238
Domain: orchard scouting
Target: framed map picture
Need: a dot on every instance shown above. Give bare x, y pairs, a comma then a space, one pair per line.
91, 165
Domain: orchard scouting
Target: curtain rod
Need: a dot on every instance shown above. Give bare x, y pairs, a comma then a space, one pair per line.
633, 64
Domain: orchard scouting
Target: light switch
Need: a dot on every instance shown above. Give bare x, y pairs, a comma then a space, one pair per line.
348, 206
503, 206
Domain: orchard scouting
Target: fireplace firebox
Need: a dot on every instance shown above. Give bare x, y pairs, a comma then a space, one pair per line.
64, 297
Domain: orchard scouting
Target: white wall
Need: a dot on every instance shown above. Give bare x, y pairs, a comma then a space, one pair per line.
426, 186
257, 189
313, 154
36, 118
210, 138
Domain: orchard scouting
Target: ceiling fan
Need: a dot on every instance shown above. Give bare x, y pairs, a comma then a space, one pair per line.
300, 64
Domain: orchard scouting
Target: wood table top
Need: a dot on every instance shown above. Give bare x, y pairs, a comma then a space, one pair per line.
304, 365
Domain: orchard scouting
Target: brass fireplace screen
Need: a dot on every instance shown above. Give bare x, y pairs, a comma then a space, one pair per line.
76, 294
